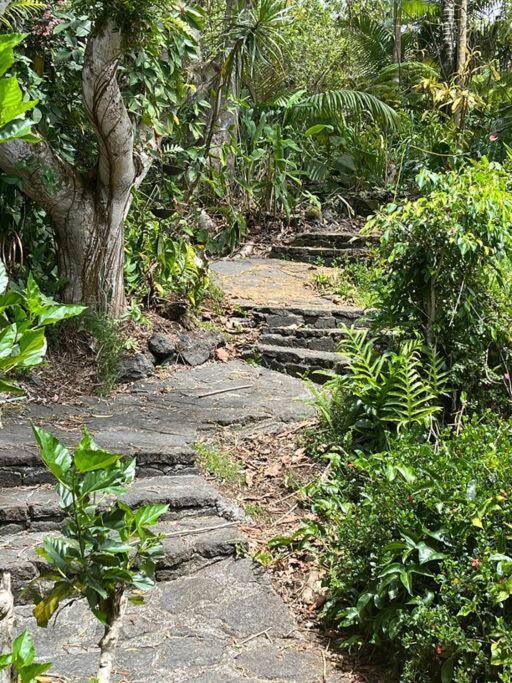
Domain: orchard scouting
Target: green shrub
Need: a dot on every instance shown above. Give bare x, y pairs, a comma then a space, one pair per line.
444, 259
24, 316
161, 261
416, 548
382, 392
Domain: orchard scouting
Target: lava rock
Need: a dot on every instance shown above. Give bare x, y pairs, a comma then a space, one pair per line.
197, 347
162, 347
135, 366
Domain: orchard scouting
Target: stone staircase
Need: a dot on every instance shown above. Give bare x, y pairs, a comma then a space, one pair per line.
301, 341
212, 616
326, 248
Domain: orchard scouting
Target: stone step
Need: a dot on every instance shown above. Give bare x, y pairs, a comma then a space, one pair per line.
188, 495
189, 544
323, 342
299, 361
156, 454
222, 624
336, 240
319, 255
327, 317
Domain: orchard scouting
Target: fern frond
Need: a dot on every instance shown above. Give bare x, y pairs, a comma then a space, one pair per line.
437, 373
410, 399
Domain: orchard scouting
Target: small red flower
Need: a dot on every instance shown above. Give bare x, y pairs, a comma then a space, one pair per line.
439, 649
493, 137
475, 563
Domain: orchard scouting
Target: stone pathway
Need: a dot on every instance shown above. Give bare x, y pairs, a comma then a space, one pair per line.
299, 328
212, 617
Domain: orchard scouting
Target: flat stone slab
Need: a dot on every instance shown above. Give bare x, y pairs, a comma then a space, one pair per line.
190, 543
223, 624
271, 283
158, 420
37, 508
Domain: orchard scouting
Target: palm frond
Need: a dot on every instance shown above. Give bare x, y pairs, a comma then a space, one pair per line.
18, 11
333, 103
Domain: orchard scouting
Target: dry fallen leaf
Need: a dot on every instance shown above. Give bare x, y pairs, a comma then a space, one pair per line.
272, 470
223, 355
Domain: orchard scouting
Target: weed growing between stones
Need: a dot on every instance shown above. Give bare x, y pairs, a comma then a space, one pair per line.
219, 463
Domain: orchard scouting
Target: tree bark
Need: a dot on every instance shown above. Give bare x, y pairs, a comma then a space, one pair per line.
88, 215
108, 644
6, 624
448, 38
397, 38
462, 40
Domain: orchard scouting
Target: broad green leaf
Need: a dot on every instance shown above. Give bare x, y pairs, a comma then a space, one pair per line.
8, 340
90, 460
55, 313
32, 348
150, 514
114, 547
12, 103
318, 128
23, 649
55, 456
428, 554
143, 583
5, 661
10, 387
44, 609
33, 672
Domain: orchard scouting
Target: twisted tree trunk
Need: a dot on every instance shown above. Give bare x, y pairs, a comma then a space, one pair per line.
88, 214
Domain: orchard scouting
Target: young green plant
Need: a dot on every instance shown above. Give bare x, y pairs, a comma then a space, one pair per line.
107, 552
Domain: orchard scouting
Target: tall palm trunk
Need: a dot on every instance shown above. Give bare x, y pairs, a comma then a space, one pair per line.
462, 55
397, 37
448, 38
462, 40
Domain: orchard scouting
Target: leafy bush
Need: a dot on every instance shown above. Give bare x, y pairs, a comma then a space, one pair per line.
415, 546
21, 660
13, 106
161, 261
444, 259
24, 315
382, 391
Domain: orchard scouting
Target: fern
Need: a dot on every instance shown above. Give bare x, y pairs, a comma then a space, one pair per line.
437, 374
382, 391
410, 399
18, 11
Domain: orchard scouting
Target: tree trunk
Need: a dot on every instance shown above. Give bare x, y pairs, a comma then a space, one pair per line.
6, 624
223, 123
462, 40
108, 644
92, 264
448, 38
88, 215
397, 38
